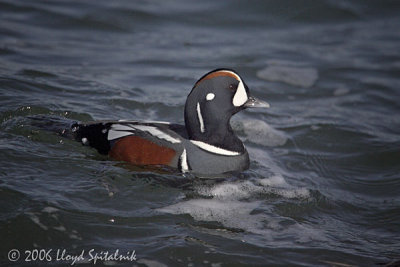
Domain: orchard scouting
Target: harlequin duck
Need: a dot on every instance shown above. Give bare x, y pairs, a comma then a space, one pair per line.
205, 145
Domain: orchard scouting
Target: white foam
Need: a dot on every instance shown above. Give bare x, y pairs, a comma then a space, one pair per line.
233, 204
227, 190
49, 209
341, 91
315, 127
36, 220
259, 132
151, 263
240, 215
60, 228
230, 213
276, 180
244, 189
290, 73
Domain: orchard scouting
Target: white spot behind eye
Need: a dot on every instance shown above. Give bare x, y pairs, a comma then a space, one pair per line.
210, 96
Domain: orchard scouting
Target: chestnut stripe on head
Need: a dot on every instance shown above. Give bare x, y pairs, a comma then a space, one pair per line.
240, 96
219, 74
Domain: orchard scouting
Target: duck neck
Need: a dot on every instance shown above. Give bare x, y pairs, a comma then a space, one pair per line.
213, 129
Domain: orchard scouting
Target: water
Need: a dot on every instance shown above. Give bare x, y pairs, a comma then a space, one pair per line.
323, 186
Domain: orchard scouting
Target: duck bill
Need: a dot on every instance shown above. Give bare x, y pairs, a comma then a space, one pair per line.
253, 102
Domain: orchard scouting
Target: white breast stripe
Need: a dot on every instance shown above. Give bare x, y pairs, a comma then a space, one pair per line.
117, 134
214, 149
200, 118
184, 164
156, 132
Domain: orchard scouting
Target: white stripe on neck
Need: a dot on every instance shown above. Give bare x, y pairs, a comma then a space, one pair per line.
200, 118
184, 164
214, 149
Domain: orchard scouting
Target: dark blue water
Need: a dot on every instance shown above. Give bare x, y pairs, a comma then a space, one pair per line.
323, 188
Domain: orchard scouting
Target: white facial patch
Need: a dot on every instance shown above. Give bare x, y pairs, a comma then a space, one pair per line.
200, 117
210, 96
240, 96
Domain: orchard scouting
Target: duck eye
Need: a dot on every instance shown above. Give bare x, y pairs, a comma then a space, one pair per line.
232, 87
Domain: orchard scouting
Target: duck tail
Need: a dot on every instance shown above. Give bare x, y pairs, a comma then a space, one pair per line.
93, 134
